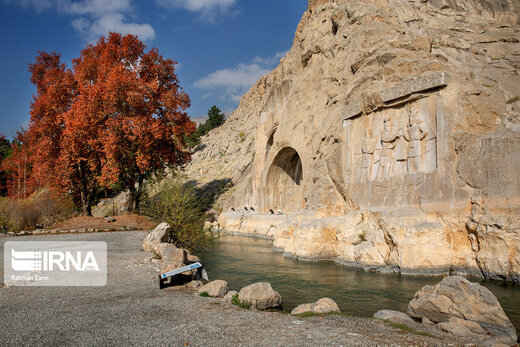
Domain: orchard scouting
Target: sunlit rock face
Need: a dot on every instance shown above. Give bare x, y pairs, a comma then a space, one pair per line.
387, 138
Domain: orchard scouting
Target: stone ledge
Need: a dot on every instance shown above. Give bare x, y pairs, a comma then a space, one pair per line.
419, 83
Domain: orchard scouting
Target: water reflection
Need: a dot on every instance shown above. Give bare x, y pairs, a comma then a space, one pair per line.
242, 261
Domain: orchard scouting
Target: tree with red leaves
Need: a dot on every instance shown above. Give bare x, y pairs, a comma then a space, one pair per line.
117, 116
19, 183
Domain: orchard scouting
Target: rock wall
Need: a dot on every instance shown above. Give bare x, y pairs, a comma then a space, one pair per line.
388, 138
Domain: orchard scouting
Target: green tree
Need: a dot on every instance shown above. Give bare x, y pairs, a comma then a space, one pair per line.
215, 119
5, 152
5, 147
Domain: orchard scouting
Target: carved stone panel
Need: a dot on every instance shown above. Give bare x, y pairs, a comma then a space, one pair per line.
393, 142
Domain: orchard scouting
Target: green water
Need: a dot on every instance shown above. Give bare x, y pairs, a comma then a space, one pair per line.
242, 261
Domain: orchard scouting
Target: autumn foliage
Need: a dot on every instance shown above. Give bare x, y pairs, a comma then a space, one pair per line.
115, 117
17, 168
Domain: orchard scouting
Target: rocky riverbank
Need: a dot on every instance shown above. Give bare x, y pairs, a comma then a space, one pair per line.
131, 310
455, 306
395, 240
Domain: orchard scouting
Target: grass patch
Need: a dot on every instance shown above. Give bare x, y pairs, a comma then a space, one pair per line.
314, 314
204, 295
406, 328
42, 209
243, 304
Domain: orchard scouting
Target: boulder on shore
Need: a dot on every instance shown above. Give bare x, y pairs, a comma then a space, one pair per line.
169, 252
393, 316
261, 295
217, 288
324, 305
157, 236
456, 297
461, 327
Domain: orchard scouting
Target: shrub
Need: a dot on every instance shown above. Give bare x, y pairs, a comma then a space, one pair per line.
40, 210
4, 217
204, 294
178, 205
244, 304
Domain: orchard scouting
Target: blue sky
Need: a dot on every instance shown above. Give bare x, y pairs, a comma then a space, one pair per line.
222, 46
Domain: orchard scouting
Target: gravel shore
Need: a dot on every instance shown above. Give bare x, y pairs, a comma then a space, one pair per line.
131, 310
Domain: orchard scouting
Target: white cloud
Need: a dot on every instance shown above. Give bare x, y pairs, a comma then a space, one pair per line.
240, 77
95, 18
235, 97
232, 83
270, 60
37, 5
200, 119
95, 7
99, 26
204, 7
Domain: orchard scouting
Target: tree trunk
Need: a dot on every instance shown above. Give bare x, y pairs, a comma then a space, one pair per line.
135, 194
18, 173
85, 194
86, 207
133, 198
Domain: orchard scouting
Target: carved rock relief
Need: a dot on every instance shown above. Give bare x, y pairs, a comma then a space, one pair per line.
392, 142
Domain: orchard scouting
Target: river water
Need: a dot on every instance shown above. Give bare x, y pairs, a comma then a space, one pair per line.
243, 260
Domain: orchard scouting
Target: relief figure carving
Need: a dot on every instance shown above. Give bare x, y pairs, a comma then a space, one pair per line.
430, 155
421, 144
388, 143
368, 147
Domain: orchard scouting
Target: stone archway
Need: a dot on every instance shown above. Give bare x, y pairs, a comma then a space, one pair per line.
270, 142
284, 181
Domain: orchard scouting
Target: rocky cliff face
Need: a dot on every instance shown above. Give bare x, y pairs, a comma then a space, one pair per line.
387, 138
